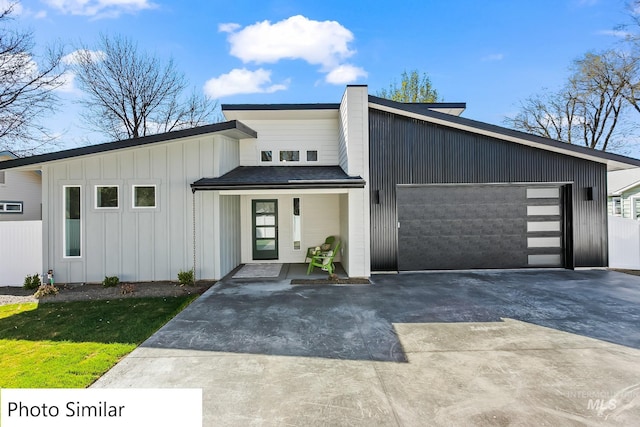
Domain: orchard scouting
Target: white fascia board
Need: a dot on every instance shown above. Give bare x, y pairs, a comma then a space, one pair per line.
292, 114
281, 191
627, 188
611, 164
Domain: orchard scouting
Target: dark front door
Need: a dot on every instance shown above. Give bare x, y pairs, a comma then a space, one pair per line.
265, 229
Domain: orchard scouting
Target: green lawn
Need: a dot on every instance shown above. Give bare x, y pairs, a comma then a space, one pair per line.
72, 344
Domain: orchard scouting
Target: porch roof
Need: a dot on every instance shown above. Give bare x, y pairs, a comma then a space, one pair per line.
280, 177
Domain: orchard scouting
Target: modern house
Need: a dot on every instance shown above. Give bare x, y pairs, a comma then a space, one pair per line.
20, 193
403, 186
623, 193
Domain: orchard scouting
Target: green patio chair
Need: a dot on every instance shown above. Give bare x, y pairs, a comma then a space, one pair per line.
324, 260
312, 250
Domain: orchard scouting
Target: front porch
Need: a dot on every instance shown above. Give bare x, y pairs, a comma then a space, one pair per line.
288, 272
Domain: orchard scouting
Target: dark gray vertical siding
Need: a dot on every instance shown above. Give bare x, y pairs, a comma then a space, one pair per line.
410, 151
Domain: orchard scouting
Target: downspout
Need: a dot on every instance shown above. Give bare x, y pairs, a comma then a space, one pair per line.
193, 208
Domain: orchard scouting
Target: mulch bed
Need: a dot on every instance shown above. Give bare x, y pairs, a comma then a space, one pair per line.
14, 294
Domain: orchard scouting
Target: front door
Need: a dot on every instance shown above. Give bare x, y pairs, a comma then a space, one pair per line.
265, 229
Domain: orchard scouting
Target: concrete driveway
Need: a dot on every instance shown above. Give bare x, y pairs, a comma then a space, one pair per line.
474, 348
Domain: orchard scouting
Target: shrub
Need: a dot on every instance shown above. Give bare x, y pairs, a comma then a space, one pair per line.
186, 277
32, 282
110, 281
45, 290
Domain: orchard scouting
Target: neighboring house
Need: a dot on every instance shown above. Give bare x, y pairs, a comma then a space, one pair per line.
20, 193
623, 193
404, 186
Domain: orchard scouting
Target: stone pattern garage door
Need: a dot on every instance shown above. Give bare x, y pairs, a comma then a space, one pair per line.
479, 226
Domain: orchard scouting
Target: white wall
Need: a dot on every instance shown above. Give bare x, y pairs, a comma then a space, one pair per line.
624, 243
299, 134
25, 187
20, 251
320, 217
138, 244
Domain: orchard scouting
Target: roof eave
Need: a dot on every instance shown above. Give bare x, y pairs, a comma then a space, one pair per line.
232, 128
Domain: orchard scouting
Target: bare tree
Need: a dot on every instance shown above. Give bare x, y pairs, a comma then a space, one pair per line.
130, 94
590, 109
27, 89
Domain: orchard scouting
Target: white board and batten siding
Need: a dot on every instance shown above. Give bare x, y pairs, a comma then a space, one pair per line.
20, 251
138, 244
320, 135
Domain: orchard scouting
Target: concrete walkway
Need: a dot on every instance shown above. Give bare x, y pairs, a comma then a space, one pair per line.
483, 348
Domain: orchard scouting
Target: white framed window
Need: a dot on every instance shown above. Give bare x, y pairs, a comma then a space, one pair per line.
297, 226
266, 156
616, 206
635, 208
1, 177
144, 196
106, 197
289, 156
312, 156
72, 224
10, 207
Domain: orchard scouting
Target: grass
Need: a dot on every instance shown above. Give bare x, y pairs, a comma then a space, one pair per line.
70, 345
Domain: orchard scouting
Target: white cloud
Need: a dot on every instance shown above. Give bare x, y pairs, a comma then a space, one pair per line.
493, 57
344, 74
323, 43
100, 8
73, 57
228, 28
40, 14
68, 85
241, 80
616, 33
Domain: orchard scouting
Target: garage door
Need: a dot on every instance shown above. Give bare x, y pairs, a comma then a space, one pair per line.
479, 226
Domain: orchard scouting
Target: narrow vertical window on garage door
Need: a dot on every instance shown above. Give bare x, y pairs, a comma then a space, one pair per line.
544, 227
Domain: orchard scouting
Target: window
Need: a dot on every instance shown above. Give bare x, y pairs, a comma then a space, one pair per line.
106, 196
144, 196
635, 203
296, 223
1, 177
290, 156
72, 221
266, 156
10, 207
616, 206
312, 156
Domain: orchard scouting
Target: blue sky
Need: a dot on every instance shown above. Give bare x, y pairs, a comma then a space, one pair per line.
490, 54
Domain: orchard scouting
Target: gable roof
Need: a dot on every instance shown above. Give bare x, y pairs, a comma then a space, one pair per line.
620, 181
233, 128
280, 177
613, 161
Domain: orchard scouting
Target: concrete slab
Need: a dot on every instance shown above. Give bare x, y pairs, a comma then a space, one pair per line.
471, 348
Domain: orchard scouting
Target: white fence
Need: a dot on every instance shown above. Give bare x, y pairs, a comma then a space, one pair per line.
624, 243
20, 251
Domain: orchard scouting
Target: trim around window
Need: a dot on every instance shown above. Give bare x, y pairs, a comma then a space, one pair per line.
11, 207
105, 199
72, 221
616, 206
144, 196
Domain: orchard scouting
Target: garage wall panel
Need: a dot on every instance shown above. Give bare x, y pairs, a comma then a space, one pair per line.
410, 151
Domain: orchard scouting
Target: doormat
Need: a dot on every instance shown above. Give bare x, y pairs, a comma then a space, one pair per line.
258, 271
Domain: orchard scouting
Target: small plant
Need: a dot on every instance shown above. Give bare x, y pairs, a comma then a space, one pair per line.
32, 282
45, 290
186, 278
110, 281
127, 288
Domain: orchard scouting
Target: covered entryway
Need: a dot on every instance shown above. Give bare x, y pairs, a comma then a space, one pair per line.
459, 226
